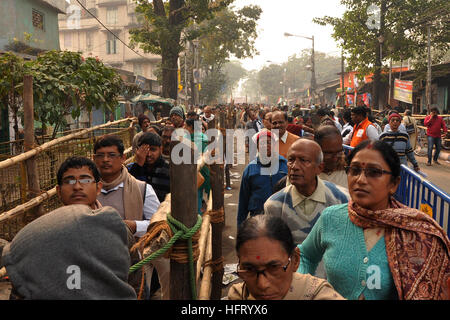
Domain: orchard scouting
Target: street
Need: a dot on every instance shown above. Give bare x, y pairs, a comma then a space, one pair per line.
437, 174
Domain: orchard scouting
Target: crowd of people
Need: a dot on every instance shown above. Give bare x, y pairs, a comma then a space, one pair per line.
319, 225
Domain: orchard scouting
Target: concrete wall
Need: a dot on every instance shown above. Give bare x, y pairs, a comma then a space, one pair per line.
16, 19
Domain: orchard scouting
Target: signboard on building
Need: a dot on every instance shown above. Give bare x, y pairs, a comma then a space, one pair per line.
403, 90
140, 81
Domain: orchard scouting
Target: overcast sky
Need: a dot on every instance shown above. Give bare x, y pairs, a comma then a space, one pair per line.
295, 17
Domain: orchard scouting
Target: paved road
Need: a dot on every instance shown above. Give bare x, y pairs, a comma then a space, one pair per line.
229, 231
438, 175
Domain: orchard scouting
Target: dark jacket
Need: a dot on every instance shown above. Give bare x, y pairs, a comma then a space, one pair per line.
256, 188
158, 176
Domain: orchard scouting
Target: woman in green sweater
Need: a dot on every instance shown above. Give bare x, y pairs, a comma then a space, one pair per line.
374, 247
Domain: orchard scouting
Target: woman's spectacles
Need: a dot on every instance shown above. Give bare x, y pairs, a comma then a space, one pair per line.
273, 271
370, 172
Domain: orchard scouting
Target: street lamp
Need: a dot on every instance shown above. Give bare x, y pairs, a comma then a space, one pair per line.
313, 73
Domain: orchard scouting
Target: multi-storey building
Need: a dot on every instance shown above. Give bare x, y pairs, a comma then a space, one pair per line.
80, 31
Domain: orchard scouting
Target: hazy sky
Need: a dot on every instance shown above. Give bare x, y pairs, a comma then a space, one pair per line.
295, 17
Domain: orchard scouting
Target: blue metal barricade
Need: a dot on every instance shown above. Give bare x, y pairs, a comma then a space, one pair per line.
416, 192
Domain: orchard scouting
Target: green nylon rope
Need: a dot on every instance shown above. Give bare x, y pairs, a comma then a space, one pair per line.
180, 231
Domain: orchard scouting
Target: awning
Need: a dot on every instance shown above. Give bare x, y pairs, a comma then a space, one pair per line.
153, 99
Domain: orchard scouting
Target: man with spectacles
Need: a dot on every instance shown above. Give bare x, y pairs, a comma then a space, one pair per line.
301, 203
330, 140
79, 182
135, 200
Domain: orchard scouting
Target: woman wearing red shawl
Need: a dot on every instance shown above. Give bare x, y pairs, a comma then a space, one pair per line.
375, 247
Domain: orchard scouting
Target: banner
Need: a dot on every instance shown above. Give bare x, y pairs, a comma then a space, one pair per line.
349, 99
367, 99
403, 90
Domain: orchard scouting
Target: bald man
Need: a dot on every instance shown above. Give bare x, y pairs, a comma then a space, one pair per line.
301, 202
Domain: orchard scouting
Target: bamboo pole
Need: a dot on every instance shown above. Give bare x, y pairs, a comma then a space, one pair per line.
29, 142
205, 286
217, 188
202, 244
205, 230
28, 205
183, 190
26, 155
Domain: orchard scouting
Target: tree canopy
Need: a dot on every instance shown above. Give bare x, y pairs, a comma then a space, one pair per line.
374, 31
64, 83
221, 32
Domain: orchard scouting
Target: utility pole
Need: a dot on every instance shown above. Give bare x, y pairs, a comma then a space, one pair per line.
342, 79
390, 81
185, 74
428, 88
313, 72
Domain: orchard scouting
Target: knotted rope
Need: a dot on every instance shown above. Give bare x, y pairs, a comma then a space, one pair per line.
180, 231
217, 216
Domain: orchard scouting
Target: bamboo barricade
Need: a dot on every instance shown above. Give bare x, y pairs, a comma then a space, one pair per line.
28, 205
27, 155
19, 205
37, 200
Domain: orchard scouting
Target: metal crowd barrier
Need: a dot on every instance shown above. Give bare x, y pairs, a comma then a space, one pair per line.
416, 192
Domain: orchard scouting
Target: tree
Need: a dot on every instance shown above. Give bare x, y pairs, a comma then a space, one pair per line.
373, 31
230, 33
164, 21
271, 79
251, 87
12, 70
234, 72
65, 84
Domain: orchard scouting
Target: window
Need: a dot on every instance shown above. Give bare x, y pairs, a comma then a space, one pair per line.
89, 44
111, 44
38, 20
111, 16
67, 40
